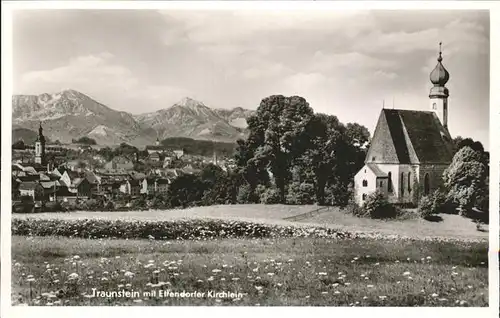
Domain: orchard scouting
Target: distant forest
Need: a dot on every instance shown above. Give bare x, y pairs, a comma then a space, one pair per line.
200, 147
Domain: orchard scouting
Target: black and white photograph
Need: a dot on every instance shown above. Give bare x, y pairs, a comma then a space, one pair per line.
164, 157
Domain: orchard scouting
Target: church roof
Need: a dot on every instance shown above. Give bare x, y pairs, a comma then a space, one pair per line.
409, 137
378, 173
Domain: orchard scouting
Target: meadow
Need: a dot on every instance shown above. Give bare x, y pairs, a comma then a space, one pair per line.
322, 261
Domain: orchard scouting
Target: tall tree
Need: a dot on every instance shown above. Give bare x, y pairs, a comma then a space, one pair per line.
277, 133
466, 179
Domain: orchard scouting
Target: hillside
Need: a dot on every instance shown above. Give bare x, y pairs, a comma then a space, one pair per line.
191, 118
71, 115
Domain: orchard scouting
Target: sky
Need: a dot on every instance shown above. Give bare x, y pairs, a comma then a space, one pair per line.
344, 63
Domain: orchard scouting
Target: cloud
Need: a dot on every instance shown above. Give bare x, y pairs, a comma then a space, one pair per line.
90, 71
100, 75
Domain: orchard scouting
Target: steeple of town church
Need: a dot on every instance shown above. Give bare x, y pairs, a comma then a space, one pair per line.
40, 146
439, 93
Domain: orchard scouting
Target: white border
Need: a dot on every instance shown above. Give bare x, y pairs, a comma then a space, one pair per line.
8, 311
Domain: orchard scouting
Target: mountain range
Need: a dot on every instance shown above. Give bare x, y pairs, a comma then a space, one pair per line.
70, 115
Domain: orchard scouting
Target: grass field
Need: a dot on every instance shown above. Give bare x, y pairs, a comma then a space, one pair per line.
287, 271
240, 211
379, 268
451, 226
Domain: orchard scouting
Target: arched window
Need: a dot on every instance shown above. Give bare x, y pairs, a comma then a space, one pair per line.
409, 182
365, 183
434, 106
402, 183
389, 184
364, 196
427, 185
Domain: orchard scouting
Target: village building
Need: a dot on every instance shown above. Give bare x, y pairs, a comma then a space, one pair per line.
410, 149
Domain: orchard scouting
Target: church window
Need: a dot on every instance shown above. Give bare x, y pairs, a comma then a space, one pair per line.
364, 196
434, 106
389, 182
365, 183
381, 184
373, 158
426, 184
402, 183
409, 182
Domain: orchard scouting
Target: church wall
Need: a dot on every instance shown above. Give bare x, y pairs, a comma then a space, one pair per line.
435, 172
396, 195
359, 190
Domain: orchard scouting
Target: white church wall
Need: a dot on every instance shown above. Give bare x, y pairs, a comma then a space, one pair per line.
361, 191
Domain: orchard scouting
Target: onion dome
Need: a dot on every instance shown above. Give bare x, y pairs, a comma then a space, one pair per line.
439, 75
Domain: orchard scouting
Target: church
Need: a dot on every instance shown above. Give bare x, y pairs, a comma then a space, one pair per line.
410, 149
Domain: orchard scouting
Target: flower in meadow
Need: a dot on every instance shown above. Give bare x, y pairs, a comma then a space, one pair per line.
377, 264
382, 297
462, 302
216, 270
428, 257
211, 278
324, 293
308, 296
76, 257
365, 297
406, 274
73, 276
369, 286
128, 285
235, 279
336, 292
258, 287
322, 274
434, 295
128, 274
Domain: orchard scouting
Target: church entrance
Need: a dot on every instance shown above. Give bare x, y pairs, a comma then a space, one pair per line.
426, 184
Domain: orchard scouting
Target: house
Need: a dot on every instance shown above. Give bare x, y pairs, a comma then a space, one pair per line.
50, 190
82, 186
119, 163
162, 185
150, 183
32, 189
179, 153
135, 187
93, 181
409, 150
154, 156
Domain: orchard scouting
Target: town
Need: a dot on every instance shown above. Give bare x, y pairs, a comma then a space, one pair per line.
48, 177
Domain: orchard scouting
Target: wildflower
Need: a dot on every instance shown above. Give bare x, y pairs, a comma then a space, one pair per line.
377, 264
76, 257
382, 297
428, 257
270, 274
259, 287
307, 297
211, 278
406, 274
365, 297
324, 293
434, 295
73, 276
216, 270
322, 274
369, 286
129, 274
462, 302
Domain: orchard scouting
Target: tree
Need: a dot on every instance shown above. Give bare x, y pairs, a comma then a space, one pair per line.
466, 179
185, 190
277, 136
19, 145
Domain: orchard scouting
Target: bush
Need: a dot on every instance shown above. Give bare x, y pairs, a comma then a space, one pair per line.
270, 196
426, 207
191, 229
377, 207
301, 193
355, 209
245, 194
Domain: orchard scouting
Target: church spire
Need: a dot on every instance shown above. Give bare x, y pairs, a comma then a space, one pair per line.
439, 92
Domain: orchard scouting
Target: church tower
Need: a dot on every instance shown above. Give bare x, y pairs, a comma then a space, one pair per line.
439, 93
40, 147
